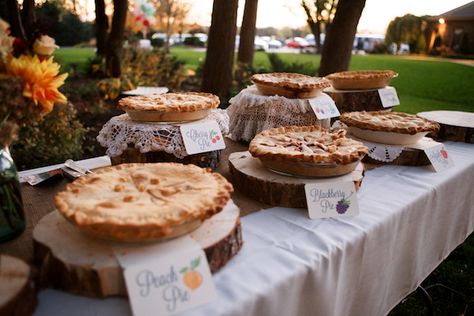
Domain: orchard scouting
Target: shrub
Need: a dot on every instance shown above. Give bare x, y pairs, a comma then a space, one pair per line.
193, 41
279, 65
55, 139
157, 42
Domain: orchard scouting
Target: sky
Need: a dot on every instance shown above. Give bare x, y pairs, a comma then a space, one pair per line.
375, 18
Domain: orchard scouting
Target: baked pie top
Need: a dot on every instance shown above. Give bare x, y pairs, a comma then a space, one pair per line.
143, 196
307, 143
290, 80
396, 122
363, 75
171, 102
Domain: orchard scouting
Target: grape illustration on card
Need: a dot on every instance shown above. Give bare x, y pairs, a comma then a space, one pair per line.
331, 199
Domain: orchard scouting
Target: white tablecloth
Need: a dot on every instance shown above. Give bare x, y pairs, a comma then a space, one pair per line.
411, 219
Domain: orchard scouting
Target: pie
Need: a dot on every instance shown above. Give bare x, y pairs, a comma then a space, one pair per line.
169, 107
361, 79
290, 85
139, 202
307, 151
388, 127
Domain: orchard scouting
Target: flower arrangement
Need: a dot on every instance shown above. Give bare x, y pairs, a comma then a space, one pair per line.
29, 82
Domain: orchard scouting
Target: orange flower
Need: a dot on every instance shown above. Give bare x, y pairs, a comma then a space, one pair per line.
41, 80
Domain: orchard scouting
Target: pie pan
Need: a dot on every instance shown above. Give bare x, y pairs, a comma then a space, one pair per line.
163, 116
307, 169
389, 138
361, 79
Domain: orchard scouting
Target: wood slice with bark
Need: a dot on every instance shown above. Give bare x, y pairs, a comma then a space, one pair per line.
17, 293
356, 100
75, 262
455, 126
253, 179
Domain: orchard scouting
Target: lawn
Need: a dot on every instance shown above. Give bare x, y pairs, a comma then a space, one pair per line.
422, 85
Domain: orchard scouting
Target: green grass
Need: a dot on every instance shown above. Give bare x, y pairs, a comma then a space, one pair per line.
423, 85
69, 56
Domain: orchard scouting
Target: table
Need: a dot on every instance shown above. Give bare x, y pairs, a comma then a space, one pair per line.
411, 219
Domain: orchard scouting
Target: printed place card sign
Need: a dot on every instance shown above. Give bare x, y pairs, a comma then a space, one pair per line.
389, 97
324, 107
202, 137
331, 199
166, 280
439, 157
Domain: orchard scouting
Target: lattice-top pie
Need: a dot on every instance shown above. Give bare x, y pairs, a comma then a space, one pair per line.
361, 79
182, 106
393, 128
136, 202
395, 122
291, 85
307, 150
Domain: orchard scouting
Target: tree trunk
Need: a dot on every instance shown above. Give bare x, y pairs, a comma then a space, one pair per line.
217, 71
247, 33
337, 47
314, 26
28, 17
101, 27
16, 28
115, 42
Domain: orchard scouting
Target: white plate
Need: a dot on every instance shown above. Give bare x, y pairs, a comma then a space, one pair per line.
141, 90
388, 138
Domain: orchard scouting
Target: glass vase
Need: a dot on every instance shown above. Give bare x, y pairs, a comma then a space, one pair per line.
12, 216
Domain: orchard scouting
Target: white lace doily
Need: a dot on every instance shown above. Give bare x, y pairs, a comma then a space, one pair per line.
120, 132
250, 112
383, 152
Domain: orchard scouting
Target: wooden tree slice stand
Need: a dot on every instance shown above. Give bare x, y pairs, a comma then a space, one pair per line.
454, 125
75, 262
356, 100
17, 294
253, 179
203, 160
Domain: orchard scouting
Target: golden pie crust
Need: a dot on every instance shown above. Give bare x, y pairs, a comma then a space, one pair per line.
290, 85
169, 107
361, 79
307, 151
393, 122
140, 202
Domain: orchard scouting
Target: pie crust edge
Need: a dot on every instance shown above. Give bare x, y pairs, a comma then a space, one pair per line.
428, 126
212, 103
260, 79
141, 232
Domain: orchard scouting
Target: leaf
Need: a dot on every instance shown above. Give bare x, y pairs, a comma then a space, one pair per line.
183, 270
195, 263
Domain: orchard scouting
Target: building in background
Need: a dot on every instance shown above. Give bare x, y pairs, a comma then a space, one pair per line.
452, 32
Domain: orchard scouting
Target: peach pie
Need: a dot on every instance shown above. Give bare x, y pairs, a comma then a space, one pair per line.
138, 202
307, 151
169, 107
290, 85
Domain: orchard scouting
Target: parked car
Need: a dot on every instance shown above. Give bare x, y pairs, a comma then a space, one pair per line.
275, 44
260, 44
